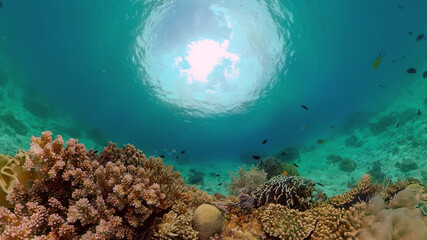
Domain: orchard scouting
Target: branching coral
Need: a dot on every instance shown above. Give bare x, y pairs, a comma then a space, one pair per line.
294, 192
246, 181
117, 194
363, 192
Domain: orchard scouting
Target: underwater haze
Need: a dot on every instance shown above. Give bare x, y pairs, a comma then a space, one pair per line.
204, 83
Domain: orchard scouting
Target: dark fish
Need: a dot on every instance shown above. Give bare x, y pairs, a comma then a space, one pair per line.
217, 175
265, 141
332, 127
255, 157
420, 37
306, 108
183, 151
419, 112
177, 157
393, 61
409, 33
219, 184
320, 141
283, 153
401, 6
295, 164
397, 125
425, 74
381, 86
411, 70
320, 184
1, 5
96, 151
162, 156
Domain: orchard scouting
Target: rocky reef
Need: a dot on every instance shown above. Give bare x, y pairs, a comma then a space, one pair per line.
61, 190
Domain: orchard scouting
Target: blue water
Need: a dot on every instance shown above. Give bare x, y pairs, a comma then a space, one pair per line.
83, 60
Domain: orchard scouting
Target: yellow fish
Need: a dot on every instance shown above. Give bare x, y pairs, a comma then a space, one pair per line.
378, 60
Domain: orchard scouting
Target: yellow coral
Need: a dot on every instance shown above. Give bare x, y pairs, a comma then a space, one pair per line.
207, 221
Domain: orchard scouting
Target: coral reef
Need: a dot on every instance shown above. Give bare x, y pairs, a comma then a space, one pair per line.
353, 141
119, 193
383, 124
364, 191
116, 194
271, 166
18, 126
290, 169
407, 165
376, 173
347, 165
207, 221
293, 192
287, 154
244, 181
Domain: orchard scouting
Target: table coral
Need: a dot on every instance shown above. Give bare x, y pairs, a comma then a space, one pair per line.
294, 192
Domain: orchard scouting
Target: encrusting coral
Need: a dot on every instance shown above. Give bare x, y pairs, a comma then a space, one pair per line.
121, 194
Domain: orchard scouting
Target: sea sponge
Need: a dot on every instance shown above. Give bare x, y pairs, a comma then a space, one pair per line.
207, 220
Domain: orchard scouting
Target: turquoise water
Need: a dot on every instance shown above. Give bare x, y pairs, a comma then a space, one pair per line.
104, 71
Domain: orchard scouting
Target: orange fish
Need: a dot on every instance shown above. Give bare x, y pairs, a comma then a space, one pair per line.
284, 172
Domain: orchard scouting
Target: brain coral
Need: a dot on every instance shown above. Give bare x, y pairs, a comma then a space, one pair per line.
207, 221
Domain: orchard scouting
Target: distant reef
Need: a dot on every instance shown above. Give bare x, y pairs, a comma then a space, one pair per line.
61, 190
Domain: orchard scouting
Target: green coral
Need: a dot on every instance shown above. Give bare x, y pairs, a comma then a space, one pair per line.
246, 181
290, 169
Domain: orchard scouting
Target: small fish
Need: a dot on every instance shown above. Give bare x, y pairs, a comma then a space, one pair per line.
409, 33
320, 141
162, 156
401, 6
219, 184
332, 127
295, 164
318, 183
96, 151
1, 5
381, 86
265, 141
351, 186
393, 61
419, 112
174, 151
177, 157
397, 125
378, 60
192, 170
183, 151
306, 108
217, 175
283, 153
411, 70
425, 74
284, 172
305, 126
420, 37
255, 157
